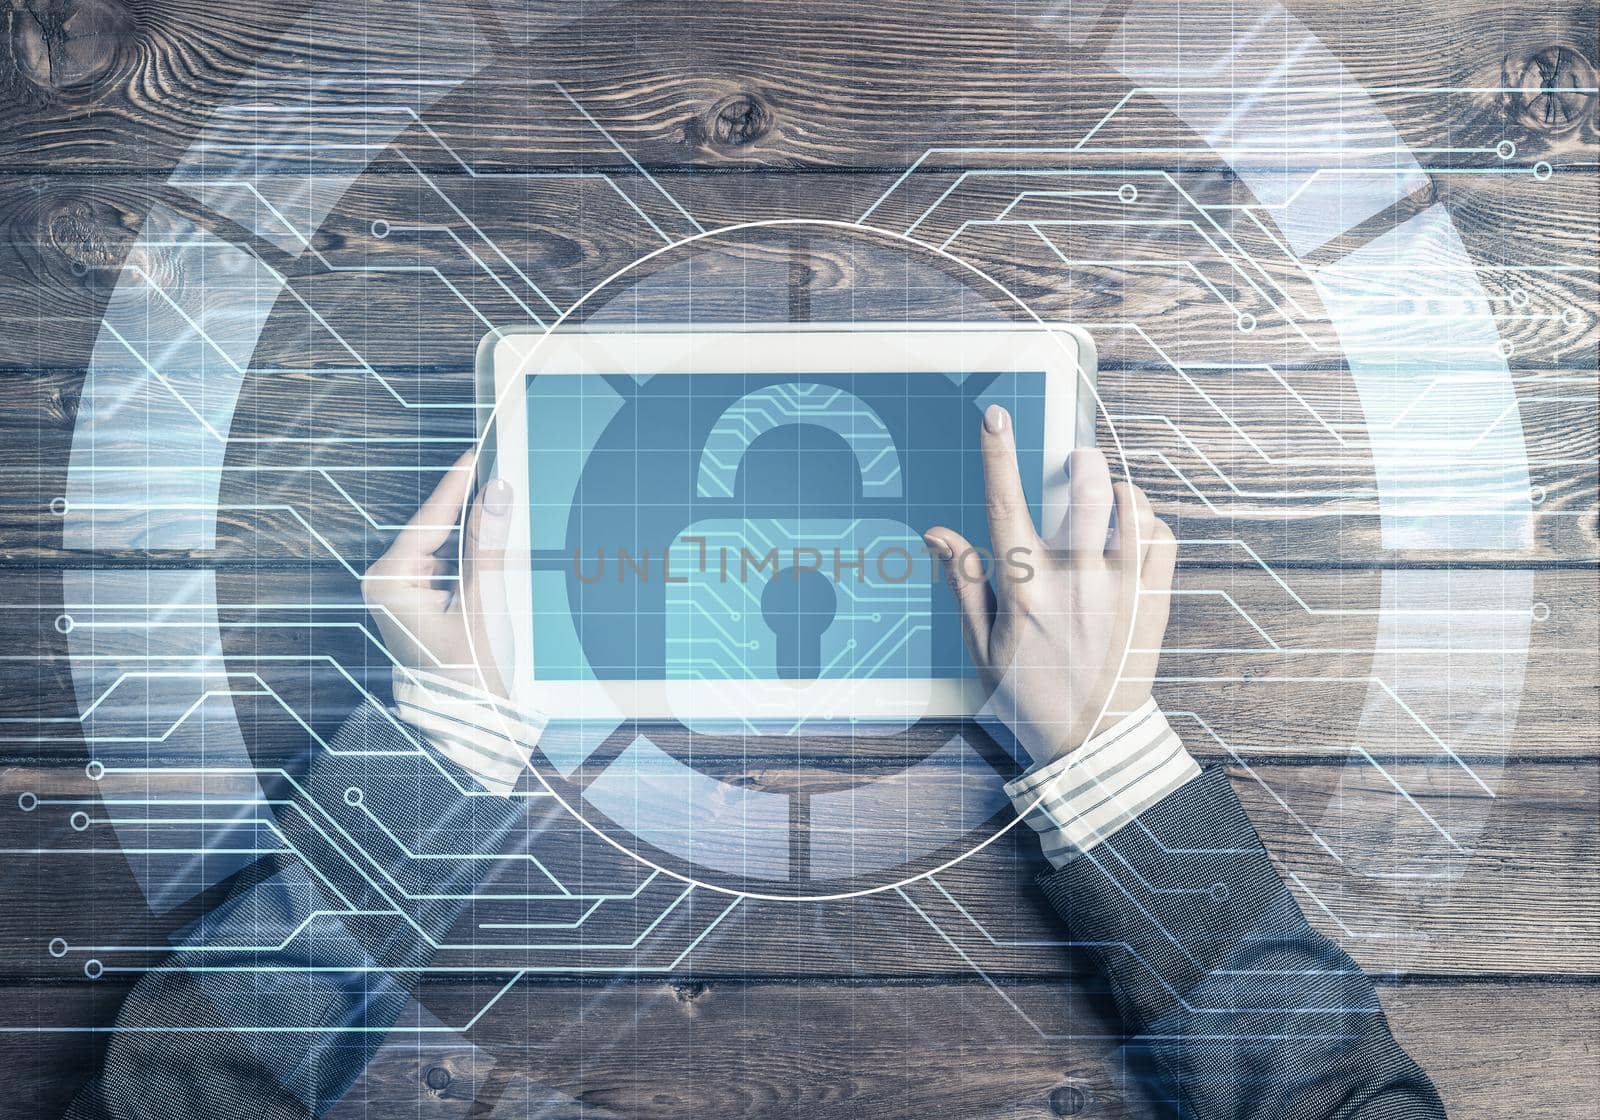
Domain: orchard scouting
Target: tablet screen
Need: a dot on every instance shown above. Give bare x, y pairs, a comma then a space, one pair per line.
745, 526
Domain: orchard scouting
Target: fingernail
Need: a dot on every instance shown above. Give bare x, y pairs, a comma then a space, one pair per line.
994, 418
938, 546
497, 498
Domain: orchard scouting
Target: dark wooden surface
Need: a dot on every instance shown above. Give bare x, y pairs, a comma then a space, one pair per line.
768, 109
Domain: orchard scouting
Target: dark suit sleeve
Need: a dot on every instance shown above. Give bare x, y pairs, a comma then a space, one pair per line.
271, 1006
1244, 1009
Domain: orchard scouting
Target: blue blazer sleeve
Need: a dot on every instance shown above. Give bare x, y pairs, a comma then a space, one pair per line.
1244, 1010
272, 1005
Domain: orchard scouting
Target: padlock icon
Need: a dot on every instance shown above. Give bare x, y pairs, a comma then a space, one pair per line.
790, 622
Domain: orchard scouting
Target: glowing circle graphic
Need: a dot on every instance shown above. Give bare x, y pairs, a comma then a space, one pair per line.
168, 452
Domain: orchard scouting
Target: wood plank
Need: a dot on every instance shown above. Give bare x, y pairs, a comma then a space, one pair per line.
1212, 477
1177, 261
662, 1048
962, 1052
1411, 867
1225, 455
1307, 667
769, 84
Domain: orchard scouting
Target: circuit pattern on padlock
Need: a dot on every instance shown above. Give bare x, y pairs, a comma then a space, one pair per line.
882, 625
775, 406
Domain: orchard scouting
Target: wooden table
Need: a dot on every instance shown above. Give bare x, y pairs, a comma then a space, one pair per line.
890, 1004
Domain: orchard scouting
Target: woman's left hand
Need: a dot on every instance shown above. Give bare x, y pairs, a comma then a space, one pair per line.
431, 616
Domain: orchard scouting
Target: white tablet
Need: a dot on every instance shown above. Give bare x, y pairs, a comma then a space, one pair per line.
722, 526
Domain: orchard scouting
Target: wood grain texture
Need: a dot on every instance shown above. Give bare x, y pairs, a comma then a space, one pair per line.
1486, 904
1171, 261
1305, 667
1439, 880
1225, 455
880, 1058
832, 89
1276, 453
663, 1049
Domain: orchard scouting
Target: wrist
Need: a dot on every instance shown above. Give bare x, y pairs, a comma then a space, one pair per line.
480, 731
1089, 794
1117, 711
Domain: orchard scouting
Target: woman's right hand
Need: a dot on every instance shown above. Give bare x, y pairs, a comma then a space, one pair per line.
1068, 633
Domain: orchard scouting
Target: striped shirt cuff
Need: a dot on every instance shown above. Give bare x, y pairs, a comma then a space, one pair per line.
487, 736
1085, 797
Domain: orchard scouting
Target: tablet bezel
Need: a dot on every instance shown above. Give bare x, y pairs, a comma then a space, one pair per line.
505, 360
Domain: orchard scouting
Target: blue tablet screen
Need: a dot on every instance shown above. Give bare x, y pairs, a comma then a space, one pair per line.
758, 526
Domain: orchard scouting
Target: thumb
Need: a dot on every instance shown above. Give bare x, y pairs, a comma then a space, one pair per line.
490, 522
484, 548
483, 597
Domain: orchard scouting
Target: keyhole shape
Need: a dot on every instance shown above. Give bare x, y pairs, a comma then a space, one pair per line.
798, 605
